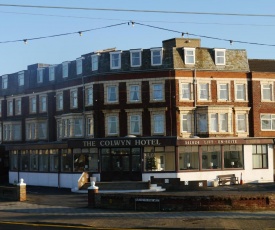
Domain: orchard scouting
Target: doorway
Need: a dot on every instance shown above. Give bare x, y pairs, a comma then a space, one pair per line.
120, 164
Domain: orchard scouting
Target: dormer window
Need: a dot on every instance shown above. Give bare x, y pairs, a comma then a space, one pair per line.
65, 69
52, 73
115, 60
40, 75
94, 60
79, 66
156, 56
189, 55
135, 58
220, 56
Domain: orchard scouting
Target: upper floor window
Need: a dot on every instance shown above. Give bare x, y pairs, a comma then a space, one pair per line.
241, 123
267, 92
94, 59
90, 126
115, 60
65, 69
202, 122
18, 106
203, 91
52, 73
40, 72
186, 91
89, 95
59, 101
134, 93
5, 82
79, 66
36, 129
268, 122
157, 91
112, 124
12, 131
223, 91
21, 81
240, 91
43, 103
220, 56
186, 122
158, 124
189, 55
73, 99
135, 56
69, 126
156, 56
134, 124
112, 93
33, 104
10, 107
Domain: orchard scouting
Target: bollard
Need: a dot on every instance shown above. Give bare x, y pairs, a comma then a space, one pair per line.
21, 191
92, 191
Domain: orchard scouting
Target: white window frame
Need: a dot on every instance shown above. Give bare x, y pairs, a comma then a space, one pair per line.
73, 99
110, 119
270, 88
68, 124
4, 81
270, 118
243, 92
90, 126
95, 61
78, 64
10, 107
21, 80
156, 53
182, 87
158, 113
135, 60
52, 73
43, 101
134, 118
59, 101
89, 97
226, 90
36, 129
189, 56
33, 104
107, 93
65, 69
40, 75
220, 56
241, 121
214, 122
115, 60
133, 89
18, 106
208, 91
186, 121
12, 131
154, 91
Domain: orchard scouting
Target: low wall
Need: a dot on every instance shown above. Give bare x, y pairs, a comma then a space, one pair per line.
174, 202
13, 193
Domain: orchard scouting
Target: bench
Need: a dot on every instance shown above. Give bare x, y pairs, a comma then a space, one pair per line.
228, 178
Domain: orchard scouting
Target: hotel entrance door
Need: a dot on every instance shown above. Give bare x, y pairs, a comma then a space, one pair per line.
118, 164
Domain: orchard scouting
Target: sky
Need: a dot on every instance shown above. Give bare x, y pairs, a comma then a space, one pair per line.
19, 23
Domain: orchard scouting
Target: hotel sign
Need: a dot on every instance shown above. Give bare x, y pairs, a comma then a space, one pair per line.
125, 142
212, 142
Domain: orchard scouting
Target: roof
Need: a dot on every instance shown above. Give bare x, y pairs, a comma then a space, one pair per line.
261, 65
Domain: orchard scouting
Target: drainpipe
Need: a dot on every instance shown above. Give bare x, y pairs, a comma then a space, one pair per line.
195, 100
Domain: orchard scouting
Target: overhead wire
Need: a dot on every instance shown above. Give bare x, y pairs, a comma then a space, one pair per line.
138, 11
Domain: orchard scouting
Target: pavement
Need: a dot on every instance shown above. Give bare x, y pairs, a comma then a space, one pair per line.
61, 206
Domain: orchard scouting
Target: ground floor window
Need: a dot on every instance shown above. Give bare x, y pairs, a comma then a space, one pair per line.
207, 157
66, 160
260, 158
161, 158
188, 157
85, 159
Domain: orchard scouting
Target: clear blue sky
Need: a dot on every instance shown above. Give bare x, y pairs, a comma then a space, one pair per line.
20, 23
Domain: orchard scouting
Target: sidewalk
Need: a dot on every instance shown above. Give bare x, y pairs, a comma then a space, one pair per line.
54, 205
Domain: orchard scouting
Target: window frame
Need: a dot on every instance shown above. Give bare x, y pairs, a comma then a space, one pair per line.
33, 104
52, 73
79, 67
65, 69
220, 59
43, 103
10, 107
21, 78
40, 75
131, 91
200, 90
271, 90
18, 106
59, 101
188, 56
95, 61
115, 63
74, 98
227, 91
263, 164
89, 97
271, 120
139, 58
244, 84
107, 89
154, 56
154, 92
5, 81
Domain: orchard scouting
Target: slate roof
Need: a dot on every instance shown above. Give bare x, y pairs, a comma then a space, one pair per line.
261, 65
